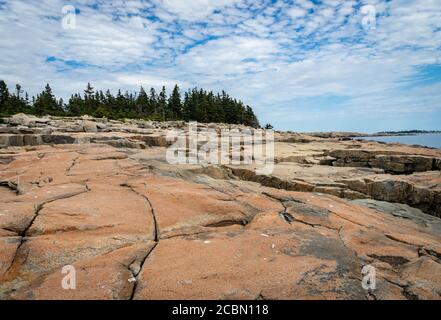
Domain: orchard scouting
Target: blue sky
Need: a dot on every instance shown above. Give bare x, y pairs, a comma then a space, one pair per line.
304, 65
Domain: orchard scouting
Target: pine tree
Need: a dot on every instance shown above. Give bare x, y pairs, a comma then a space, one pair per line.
88, 92
75, 106
46, 104
175, 104
143, 104
186, 107
18, 91
197, 105
4, 96
162, 104
154, 102
90, 103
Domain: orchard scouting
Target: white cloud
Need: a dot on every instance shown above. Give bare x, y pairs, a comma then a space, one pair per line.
272, 56
297, 12
195, 9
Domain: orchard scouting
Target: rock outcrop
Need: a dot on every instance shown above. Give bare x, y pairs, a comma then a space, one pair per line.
391, 161
133, 226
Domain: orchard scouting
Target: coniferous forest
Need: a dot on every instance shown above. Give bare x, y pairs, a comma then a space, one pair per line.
194, 105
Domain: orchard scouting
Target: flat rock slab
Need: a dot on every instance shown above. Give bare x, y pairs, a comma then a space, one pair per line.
134, 227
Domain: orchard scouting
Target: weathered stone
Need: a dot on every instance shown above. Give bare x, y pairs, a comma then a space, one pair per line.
403, 164
89, 126
153, 140
354, 155
420, 190
437, 164
32, 140
327, 161
125, 144
57, 139
136, 227
26, 120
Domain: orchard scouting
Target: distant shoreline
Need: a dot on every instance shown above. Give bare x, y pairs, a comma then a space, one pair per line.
401, 133
343, 134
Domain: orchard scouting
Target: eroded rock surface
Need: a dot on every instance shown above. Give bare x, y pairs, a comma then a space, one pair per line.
136, 227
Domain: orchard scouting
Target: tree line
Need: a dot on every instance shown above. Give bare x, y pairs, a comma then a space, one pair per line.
195, 105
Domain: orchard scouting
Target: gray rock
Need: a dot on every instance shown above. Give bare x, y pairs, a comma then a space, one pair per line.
437, 164
125, 144
327, 161
402, 163
32, 140
403, 211
27, 120
57, 139
89, 126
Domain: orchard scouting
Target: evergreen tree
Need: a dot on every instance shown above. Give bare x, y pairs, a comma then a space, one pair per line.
186, 107
75, 106
197, 105
46, 104
143, 103
88, 92
90, 104
162, 104
4, 96
154, 102
174, 104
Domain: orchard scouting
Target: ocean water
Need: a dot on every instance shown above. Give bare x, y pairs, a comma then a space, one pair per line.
432, 140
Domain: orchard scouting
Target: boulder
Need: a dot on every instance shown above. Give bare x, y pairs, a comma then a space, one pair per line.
89, 126
27, 120
327, 161
146, 125
402, 164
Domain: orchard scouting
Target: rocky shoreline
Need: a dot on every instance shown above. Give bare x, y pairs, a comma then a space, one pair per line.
99, 195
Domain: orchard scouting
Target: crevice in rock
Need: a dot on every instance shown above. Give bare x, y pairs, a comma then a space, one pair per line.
156, 237
152, 210
183, 235
261, 297
282, 200
405, 289
391, 237
227, 223
70, 167
11, 186
394, 261
287, 217
409, 294
370, 295
430, 253
37, 210
349, 220
136, 274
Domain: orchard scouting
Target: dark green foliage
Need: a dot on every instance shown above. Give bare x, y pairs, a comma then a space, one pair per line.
174, 104
47, 104
12, 103
195, 105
